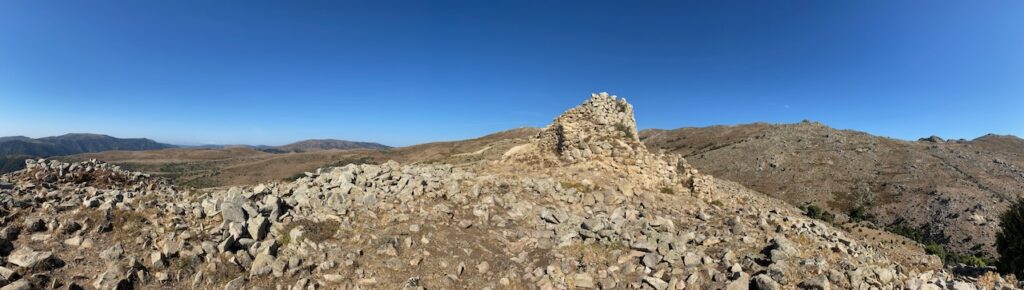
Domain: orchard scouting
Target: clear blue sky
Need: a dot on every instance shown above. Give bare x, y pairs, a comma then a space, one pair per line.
406, 72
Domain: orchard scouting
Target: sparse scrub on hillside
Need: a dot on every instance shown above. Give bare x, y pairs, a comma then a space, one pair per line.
935, 244
861, 213
819, 213
901, 227
1010, 240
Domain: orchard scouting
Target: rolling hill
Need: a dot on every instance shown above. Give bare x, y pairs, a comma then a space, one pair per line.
946, 192
327, 144
15, 149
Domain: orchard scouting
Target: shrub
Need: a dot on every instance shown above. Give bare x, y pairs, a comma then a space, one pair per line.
935, 244
936, 249
901, 227
969, 260
1010, 240
861, 213
816, 212
950, 258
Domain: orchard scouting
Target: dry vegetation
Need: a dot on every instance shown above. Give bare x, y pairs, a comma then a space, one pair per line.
203, 168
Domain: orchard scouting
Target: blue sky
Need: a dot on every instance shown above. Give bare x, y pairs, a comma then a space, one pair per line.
406, 72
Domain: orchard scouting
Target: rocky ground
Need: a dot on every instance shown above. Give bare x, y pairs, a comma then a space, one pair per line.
949, 191
582, 205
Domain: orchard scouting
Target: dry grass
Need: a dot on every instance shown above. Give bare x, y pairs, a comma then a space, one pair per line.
315, 231
595, 254
203, 168
580, 186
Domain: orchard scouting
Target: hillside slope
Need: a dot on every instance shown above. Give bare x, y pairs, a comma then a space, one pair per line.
948, 192
207, 167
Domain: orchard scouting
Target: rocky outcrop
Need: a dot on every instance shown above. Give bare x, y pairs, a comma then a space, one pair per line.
948, 191
603, 127
600, 135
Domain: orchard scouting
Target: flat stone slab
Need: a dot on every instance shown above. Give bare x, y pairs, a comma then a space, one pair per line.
28, 258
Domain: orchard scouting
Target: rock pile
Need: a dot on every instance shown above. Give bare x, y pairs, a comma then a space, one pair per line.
600, 135
97, 174
394, 226
602, 127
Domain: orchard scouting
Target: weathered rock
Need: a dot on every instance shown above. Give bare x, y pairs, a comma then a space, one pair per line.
740, 283
262, 265
816, 283
27, 258
585, 281
113, 253
18, 285
258, 227
232, 213
781, 249
763, 282
656, 283
34, 225
235, 284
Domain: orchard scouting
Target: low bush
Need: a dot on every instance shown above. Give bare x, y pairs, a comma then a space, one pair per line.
1010, 240
817, 212
861, 213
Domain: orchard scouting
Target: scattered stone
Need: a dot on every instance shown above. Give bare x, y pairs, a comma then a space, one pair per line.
483, 267
782, 249
334, 278
816, 283
27, 258
583, 280
763, 282
657, 283
258, 227
232, 213
18, 285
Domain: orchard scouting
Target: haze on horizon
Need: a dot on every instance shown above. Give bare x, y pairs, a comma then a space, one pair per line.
407, 72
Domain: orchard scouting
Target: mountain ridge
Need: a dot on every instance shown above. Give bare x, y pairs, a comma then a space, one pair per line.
327, 144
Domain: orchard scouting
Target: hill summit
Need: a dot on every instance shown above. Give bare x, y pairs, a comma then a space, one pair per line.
600, 135
546, 215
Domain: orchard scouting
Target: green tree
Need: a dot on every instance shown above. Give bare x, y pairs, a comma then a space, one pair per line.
1010, 241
